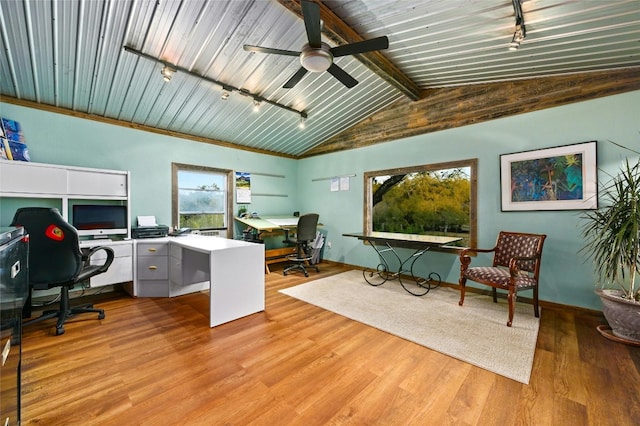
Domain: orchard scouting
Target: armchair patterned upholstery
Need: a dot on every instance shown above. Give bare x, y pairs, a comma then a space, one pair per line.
516, 267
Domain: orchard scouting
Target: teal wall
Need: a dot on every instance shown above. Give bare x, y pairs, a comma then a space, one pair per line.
566, 276
61, 139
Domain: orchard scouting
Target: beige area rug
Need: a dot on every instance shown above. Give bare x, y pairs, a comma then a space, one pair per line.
475, 332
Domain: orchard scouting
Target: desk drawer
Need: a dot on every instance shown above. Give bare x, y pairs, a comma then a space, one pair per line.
148, 249
120, 250
153, 288
153, 268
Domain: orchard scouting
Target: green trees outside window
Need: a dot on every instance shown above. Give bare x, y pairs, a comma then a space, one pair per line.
436, 199
201, 197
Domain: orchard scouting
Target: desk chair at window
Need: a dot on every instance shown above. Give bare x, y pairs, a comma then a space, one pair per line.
516, 267
55, 260
305, 234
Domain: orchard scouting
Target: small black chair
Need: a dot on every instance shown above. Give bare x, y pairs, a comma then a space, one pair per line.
55, 260
305, 233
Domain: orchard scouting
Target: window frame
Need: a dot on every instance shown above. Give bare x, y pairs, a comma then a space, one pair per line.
175, 205
472, 163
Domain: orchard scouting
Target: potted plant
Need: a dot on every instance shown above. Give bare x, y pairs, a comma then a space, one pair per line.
612, 241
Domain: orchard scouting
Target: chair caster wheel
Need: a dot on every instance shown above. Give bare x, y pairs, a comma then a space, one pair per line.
59, 331
306, 275
101, 315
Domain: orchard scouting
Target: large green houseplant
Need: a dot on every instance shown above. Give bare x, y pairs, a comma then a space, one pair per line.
612, 241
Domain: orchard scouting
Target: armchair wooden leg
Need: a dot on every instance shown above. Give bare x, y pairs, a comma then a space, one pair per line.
462, 281
512, 302
536, 310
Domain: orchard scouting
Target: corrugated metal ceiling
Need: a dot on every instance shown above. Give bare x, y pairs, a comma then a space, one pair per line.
69, 54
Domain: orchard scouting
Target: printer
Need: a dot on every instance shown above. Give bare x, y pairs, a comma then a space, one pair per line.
156, 231
148, 228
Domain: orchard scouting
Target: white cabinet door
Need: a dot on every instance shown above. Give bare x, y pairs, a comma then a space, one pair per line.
24, 178
102, 184
120, 271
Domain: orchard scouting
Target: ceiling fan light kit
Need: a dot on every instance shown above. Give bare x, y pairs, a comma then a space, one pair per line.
316, 59
317, 56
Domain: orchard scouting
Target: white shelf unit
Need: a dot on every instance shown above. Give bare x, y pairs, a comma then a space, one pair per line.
67, 185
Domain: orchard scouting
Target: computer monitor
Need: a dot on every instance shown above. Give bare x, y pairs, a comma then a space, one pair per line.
96, 220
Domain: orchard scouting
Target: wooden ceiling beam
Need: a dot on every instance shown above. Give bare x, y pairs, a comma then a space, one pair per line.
452, 107
341, 33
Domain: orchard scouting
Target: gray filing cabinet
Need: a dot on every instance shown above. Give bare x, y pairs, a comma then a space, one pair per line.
152, 258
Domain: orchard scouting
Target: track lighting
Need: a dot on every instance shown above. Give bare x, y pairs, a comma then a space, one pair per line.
518, 37
303, 118
520, 31
167, 72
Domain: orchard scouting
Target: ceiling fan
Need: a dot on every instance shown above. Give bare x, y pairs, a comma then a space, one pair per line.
317, 56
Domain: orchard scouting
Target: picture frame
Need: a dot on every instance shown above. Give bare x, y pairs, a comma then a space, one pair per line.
558, 178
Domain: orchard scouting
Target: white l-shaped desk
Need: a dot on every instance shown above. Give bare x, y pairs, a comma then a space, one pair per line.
231, 270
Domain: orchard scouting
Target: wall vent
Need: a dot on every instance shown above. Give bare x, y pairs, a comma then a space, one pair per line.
208, 233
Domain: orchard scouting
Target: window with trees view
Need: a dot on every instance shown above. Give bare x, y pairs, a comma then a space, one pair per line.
201, 197
434, 199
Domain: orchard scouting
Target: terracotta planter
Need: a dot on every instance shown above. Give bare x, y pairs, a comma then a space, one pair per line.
622, 315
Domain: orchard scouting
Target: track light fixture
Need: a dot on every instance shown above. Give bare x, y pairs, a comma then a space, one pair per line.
167, 72
303, 118
520, 31
168, 69
256, 104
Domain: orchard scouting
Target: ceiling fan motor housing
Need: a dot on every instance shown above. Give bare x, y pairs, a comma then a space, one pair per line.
316, 59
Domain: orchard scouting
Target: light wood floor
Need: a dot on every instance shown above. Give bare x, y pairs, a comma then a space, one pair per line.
156, 362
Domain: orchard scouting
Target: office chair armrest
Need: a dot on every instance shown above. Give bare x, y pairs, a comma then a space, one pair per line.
88, 253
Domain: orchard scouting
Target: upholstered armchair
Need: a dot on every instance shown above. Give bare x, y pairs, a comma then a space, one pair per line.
516, 267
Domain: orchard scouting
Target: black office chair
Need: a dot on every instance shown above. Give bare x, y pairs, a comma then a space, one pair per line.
305, 233
55, 260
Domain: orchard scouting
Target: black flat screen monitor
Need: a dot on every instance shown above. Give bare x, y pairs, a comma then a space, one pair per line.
96, 220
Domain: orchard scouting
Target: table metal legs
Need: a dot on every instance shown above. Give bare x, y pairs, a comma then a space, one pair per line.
415, 285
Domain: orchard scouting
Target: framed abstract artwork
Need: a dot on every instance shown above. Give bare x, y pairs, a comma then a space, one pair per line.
560, 178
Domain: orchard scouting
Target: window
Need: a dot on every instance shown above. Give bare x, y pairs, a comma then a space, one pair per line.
201, 197
433, 199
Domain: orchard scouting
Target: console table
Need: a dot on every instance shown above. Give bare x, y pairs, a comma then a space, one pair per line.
384, 243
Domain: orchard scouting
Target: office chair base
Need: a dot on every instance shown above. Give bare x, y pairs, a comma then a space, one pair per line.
63, 316
299, 266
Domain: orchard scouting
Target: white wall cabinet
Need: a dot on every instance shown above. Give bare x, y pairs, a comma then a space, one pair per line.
68, 184
37, 180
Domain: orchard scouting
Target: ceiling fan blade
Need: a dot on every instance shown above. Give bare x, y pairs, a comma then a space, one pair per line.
311, 15
378, 43
270, 50
342, 75
295, 78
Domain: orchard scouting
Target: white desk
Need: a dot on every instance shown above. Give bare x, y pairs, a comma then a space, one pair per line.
230, 269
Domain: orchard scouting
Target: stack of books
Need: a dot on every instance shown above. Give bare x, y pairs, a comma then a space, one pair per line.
12, 142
